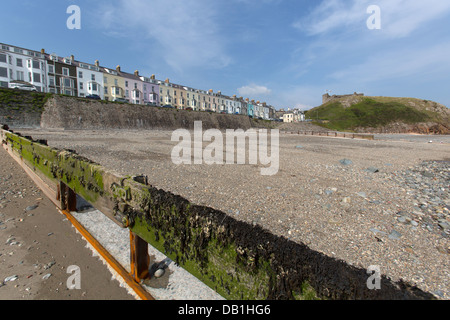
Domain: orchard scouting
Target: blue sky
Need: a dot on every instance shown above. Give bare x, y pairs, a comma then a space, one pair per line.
284, 52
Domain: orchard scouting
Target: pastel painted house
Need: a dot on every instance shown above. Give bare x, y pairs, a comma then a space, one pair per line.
250, 108
151, 90
113, 84
165, 92
134, 87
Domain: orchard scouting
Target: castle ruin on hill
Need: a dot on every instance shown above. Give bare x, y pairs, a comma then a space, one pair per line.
326, 97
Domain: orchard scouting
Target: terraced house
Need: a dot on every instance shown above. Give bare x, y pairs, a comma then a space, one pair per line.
62, 75
113, 84
51, 73
19, 65
250, 107
192, 98
90, 79
151, 90
134, 87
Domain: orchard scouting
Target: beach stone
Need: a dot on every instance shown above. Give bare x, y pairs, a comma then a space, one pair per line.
404, 219
443, 224
31, 208
11, 278
159, 273
395, 235
372, 170
346, 162
362, 194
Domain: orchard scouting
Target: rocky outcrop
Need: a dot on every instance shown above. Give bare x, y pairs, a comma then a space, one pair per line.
419, 128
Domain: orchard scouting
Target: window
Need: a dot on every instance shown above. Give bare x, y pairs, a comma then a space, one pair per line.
127, 93
106, 90
36, 77
67, 82
2, 57
93, 87
93, 77
20, 76
105, 80
3, 72
117, 90
19, 62
36, 64
80, 74
65, 71
81, 85
135, 85
51, 68
116, 82
126, 84
51, 81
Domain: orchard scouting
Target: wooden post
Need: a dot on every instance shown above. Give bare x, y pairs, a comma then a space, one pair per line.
139, 258
67, 198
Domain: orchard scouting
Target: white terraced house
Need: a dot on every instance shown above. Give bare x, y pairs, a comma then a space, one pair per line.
90, 79
23, 66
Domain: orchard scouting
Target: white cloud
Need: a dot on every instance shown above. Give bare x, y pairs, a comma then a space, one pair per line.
253, 91
184, 32
399, 64
399, 18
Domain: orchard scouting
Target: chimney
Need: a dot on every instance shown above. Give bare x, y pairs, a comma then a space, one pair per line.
72, 57
219, 93
42, 51
153, 77
211, 90
167, 80
118, 68
136, 73
97, 63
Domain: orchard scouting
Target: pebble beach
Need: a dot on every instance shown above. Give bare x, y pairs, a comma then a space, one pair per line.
383, 202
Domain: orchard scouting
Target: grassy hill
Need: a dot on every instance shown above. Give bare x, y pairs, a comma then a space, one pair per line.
382, 114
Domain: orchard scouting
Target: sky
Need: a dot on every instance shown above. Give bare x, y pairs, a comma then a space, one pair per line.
287, 53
